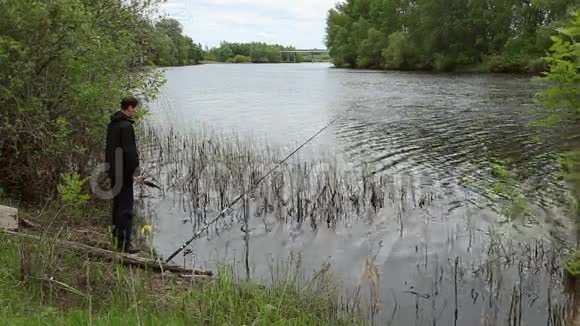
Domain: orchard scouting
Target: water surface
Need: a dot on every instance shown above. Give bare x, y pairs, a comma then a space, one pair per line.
435, 133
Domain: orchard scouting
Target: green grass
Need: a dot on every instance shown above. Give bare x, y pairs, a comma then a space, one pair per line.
44, 285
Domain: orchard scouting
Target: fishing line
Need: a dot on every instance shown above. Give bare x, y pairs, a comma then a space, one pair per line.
255, 185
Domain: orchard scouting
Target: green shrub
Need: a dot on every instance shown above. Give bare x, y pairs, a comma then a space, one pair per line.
395, 54
536, 64
67, 64
572, 265
71, 193
443, 62
242, 59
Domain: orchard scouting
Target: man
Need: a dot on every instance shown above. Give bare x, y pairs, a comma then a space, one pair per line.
123, 161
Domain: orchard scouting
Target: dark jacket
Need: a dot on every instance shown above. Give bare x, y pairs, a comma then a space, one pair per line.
120, 134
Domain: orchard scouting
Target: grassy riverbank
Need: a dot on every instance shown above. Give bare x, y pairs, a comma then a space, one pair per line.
46, 284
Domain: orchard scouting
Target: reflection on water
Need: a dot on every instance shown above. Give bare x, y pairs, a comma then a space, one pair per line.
428, 134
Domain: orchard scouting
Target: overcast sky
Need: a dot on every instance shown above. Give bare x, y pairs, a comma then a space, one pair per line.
300, 23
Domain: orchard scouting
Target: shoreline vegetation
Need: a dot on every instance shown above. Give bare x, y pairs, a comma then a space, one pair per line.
212, 62
43, 283
435, 35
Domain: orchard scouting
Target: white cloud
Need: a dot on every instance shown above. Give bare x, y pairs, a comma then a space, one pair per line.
300, 23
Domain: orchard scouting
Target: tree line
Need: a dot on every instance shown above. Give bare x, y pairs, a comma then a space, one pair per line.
492, 35
254, 52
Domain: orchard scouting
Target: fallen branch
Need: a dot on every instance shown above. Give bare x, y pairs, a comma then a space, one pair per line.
108, 255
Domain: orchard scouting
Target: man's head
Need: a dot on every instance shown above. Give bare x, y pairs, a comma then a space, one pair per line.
129, 106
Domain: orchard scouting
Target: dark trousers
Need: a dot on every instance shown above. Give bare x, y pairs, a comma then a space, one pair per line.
122, 211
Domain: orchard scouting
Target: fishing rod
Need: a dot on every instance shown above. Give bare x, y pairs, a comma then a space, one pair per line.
254, 186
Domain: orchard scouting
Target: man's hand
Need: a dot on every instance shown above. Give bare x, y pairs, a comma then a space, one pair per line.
139, 179
142, 180
137, 173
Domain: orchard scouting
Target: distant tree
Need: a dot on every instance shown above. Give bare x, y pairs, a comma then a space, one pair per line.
256, 51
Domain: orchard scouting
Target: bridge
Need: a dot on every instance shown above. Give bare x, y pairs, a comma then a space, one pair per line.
294, 52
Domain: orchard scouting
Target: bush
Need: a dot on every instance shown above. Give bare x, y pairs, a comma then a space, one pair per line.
443, 62
66, 65
536, 65
395, 54
71, 194
490, 63
572, 264
71, 189
242, 59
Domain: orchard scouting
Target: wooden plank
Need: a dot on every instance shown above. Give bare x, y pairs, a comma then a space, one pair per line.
8, 218
126, 259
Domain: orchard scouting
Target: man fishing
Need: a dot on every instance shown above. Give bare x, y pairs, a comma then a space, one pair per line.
123, 162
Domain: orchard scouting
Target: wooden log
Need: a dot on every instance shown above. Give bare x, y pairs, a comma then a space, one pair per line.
8, 218
126, 259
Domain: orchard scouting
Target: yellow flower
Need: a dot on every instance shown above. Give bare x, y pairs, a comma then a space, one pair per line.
146, 229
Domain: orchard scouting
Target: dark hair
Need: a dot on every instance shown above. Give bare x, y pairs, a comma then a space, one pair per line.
129, 101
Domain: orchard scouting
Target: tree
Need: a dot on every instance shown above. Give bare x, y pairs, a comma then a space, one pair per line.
165, 54
259, 53
395, 55
561, 97
225, 52
172, 47
338, 39
369, 50
171, 28
65, 65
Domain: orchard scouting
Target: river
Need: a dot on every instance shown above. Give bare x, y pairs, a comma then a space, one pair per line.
437, 133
